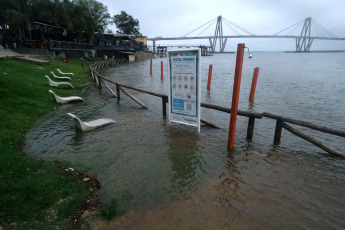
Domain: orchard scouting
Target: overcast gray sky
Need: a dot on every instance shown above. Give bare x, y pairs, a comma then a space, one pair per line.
261, 17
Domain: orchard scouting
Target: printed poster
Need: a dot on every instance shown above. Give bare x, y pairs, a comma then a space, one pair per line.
184, 86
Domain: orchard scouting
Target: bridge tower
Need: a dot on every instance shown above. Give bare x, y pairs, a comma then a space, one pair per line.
218, 34
304, 42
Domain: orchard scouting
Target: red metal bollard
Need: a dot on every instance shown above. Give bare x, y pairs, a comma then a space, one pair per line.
254, 81
235, 96
161, 69
209, 76
151, 67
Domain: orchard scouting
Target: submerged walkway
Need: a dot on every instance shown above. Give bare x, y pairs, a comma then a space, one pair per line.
8, 53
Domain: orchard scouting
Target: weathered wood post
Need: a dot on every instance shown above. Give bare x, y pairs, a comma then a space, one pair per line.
164, 105
250, 129
95, 76
91, 71
209, 76
99, 83
278, 130
118, 92
235, 95
151, 66
254, 81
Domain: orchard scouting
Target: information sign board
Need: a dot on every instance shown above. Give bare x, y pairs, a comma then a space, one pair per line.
184, 86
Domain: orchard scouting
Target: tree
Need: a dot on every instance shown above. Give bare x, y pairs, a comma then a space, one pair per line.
98, 18
88, 16
126, 24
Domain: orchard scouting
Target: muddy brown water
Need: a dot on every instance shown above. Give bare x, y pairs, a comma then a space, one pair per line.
170, 177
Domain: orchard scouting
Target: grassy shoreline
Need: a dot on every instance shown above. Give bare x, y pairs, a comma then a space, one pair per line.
36, 194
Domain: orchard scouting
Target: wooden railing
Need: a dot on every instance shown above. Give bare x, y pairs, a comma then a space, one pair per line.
281, 122
59, 45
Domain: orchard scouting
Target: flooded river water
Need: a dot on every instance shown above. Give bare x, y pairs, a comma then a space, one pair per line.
171, 177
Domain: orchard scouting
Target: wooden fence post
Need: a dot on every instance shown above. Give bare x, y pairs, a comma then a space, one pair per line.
99, 83
278, 130
118, 91
250, 129
235, 95
164, 105
95, 76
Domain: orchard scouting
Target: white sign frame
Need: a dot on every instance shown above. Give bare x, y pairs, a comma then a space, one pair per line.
184, 75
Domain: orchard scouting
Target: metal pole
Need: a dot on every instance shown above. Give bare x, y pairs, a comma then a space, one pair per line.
209, 76
235, 95
151, 66
154, 46
254, 81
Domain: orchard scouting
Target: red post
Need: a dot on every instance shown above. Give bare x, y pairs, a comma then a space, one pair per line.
209, 76
254, 81
151, 67
235, 95
161, 69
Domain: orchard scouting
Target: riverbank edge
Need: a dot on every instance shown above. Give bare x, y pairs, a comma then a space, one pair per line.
92, 202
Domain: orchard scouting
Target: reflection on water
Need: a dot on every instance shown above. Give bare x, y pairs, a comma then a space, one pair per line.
171, 177
185, 162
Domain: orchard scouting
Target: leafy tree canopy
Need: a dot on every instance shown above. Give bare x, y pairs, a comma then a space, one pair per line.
126, 24
81, 15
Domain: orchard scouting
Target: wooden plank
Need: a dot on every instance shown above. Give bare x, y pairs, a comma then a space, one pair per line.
307, 124
111, 91
209, 123
32, 60
228, 110
137, 89
313, 140
134, 98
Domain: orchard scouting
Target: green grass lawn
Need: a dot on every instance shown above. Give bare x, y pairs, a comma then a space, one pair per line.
34, 194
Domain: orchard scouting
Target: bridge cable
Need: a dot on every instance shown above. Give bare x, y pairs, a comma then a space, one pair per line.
239, 27
289, 27
290, 32
319, 31
323, 29
206, 28
198, 28
232, 28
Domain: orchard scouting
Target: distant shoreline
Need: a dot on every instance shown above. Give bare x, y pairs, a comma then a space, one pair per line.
317, 51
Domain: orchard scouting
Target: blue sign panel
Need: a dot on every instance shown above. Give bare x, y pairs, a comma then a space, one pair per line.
184, 87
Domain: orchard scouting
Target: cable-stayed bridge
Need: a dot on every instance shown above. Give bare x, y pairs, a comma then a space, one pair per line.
311, 30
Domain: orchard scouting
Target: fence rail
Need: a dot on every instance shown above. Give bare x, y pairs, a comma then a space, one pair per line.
280, 121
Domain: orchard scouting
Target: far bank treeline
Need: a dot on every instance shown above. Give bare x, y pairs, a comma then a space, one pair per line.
84, 16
